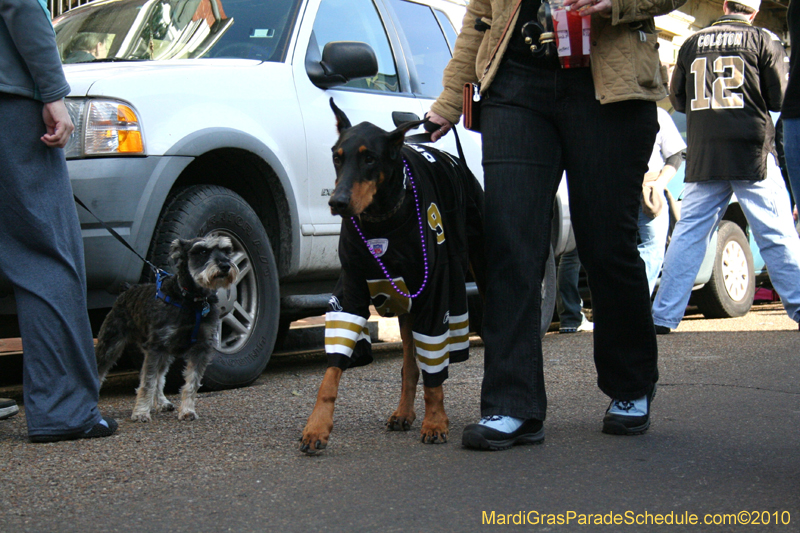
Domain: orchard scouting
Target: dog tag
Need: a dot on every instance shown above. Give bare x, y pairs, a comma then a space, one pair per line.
206, 309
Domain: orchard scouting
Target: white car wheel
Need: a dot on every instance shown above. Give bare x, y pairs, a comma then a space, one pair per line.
730, 290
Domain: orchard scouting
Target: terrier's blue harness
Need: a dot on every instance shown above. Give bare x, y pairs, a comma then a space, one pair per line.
199, 312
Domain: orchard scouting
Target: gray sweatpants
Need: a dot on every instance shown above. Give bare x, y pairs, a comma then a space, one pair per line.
42, 255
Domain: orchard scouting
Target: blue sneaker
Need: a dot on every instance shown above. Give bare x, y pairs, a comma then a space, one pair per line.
502, 432
628, 417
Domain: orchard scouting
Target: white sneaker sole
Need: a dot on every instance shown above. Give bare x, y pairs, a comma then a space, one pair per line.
8, 412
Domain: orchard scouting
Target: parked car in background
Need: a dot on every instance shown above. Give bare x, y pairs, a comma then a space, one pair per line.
197, 117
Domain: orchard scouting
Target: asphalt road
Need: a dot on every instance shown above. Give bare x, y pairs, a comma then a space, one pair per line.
724, 441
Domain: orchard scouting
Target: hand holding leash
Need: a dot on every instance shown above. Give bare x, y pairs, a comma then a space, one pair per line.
437, 125
435, 130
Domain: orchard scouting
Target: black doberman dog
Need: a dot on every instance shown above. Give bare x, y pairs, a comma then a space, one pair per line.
412, 221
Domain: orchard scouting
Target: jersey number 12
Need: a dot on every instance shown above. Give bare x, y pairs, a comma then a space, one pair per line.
728, 75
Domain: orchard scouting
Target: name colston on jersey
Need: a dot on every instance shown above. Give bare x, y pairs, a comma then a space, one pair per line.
720, 41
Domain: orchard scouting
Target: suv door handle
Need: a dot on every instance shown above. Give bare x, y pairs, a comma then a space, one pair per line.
401, 117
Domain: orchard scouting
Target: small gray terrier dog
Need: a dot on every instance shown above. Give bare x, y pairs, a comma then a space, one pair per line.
175, 317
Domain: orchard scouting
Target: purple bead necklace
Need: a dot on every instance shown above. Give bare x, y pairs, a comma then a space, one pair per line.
407, 174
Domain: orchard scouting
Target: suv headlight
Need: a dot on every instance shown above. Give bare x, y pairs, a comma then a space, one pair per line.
103, 127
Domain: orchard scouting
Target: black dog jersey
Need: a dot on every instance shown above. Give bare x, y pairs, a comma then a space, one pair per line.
450, 204
727, 79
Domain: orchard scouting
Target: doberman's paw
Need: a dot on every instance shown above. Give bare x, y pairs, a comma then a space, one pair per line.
314, 448
435, 430
401, 421
312, 442
434, 436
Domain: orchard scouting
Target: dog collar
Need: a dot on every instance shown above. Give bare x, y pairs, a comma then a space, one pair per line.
386, 216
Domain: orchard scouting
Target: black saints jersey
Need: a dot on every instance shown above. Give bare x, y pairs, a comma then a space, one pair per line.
728, 78
384, 262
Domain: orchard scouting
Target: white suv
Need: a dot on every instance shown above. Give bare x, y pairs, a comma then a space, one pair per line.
212, 116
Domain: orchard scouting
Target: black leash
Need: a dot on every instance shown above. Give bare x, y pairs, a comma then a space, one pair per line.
117, 236
160, 274
430, 127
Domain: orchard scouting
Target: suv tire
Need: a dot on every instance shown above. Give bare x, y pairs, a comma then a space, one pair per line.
730, 290
250, 309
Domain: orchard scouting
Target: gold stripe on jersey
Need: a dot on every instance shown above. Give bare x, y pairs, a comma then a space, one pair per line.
343, 331
459, 332
433, 353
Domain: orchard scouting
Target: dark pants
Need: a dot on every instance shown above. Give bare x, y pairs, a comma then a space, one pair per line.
536, 123
43, 257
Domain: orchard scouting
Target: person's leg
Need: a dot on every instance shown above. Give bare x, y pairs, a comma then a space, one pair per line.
766, 206
702, 208
43, 258
568, 300
521, 160
791, 149
653, 242
605, 182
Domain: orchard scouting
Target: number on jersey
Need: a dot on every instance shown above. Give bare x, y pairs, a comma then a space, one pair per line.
729, 75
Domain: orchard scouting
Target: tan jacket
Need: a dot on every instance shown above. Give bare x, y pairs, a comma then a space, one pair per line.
625, 61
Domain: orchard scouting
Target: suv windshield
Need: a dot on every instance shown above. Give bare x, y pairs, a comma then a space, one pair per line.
135, 30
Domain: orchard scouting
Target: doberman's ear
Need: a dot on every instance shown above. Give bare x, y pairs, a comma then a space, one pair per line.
397, 137
342, 122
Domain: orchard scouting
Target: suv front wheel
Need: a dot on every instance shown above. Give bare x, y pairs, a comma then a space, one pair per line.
250, 308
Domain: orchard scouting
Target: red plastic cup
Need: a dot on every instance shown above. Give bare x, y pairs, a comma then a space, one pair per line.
573, 37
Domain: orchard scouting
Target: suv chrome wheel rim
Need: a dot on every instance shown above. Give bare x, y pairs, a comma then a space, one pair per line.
735, 271
238, 304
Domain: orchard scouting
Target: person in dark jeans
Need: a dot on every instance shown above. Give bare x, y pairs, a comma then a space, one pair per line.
537, 120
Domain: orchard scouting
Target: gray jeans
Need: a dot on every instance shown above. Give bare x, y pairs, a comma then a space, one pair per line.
43, 258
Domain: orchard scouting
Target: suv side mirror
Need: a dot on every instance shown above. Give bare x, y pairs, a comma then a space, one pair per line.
341, 62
